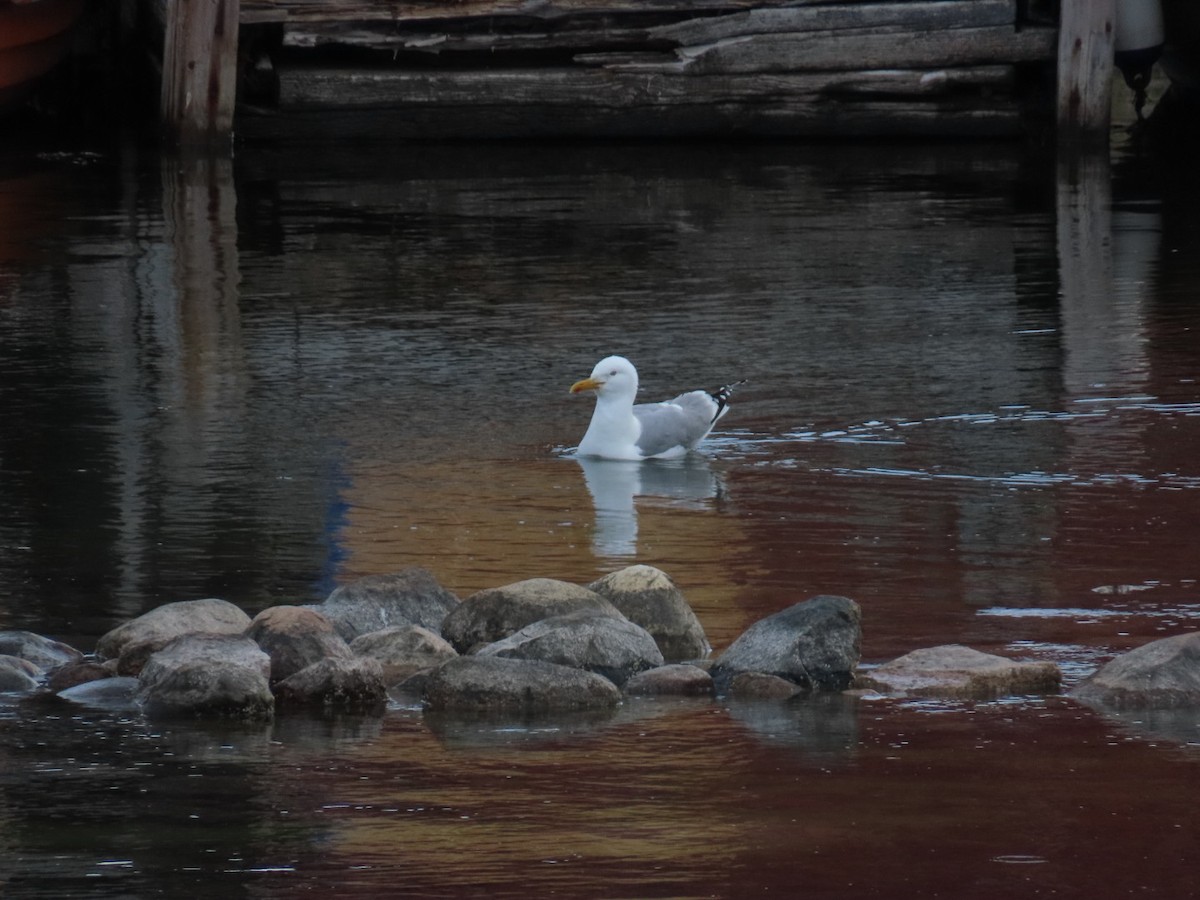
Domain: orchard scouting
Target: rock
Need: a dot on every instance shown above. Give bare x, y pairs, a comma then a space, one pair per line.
495, 613
18, 675
493, 684
295, 637
1163, 674
960, 673
350, 684
411, 688
75, 674
649, 598
814, 644
675, 680
207, 675
132, 643
585, 639
403, 650
759, 686
43, 652
118, 693
409, 597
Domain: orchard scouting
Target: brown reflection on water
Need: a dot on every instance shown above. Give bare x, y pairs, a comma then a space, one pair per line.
838, 798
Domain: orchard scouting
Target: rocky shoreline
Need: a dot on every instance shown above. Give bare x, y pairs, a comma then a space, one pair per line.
539, 646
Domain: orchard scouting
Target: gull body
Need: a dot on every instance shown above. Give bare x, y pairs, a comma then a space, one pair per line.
622, 430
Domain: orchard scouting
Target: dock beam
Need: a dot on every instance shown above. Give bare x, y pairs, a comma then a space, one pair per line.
199, 80
1086, 35
200, 70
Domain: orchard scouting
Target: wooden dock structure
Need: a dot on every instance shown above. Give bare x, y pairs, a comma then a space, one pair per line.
470, 69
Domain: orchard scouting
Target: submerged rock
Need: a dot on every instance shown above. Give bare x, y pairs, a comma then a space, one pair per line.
409, 597
586, 639
351, 684
1163, 674
132, 643
814, 644
78, 673
760, 686
403, 650
494, 684
295, 637
115, 694
18, 675
649, 598
961, 673
495, 613
43, 652
207, 675
679, 680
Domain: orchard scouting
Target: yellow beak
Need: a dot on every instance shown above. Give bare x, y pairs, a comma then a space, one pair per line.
588, 384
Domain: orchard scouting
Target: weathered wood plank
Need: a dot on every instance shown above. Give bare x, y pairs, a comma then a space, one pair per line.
595, 33
323, 88
391, 38
815, 51
780, 117
915, 16
261, 11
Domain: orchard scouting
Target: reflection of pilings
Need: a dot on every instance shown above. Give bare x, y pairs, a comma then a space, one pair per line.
199, 213
1103, 327
1102, 331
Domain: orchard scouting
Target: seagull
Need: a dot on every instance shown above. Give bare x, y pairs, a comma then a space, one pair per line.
620, 430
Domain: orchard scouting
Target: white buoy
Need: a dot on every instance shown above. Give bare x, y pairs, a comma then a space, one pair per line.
1138, 44
1139, 37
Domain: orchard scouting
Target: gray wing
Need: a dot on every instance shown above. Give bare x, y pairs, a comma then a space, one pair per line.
682, 422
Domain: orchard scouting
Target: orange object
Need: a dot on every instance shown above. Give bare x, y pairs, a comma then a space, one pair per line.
34, 36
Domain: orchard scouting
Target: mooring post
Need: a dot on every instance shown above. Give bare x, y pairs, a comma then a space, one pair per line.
199, 80
1086, 35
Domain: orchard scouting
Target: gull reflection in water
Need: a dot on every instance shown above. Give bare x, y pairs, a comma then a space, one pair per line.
687, 482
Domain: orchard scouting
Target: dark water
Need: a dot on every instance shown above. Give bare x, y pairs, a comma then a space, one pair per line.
973, 406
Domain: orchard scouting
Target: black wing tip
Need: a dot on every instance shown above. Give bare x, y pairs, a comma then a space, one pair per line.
722, 394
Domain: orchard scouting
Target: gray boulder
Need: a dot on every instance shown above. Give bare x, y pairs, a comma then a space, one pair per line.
132, 643
409, 597
335, 683
814, 644
960, 673
648, 597
403, 650
494, 684
43, 652
1163, 674
295, 637
585, 639
679, 679
207, 675
495, 613
18, 675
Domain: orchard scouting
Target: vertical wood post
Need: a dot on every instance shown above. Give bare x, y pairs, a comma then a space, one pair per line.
1086, 35
199, 81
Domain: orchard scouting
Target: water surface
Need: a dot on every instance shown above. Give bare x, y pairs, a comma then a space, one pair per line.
972, 406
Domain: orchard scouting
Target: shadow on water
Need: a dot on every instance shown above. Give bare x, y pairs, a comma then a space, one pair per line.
972, 406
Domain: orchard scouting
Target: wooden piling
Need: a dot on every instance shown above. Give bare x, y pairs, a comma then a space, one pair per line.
1086, 36
199, 80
